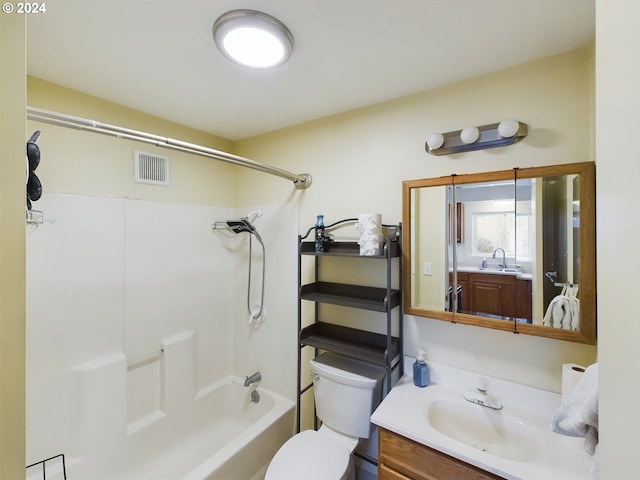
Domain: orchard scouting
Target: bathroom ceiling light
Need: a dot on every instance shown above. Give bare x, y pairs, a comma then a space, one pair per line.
253, 39
500, 134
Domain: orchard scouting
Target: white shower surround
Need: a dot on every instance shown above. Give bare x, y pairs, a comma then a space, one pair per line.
118, 280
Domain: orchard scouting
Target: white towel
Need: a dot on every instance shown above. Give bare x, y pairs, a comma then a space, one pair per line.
578, 417
558, 313
563, 312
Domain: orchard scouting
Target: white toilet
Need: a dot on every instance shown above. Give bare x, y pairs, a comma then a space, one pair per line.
347, 391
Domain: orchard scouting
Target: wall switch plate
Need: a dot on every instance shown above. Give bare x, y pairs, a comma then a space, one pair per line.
426, 268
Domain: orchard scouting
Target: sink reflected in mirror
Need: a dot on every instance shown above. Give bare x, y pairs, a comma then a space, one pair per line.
501, 270
498, 432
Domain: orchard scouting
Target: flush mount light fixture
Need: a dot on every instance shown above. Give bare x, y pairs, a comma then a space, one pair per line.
253, 39
500, 134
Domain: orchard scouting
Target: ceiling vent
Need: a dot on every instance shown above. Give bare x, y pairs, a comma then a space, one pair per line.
151, 168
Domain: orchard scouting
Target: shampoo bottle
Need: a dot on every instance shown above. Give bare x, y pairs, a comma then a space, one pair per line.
420, 374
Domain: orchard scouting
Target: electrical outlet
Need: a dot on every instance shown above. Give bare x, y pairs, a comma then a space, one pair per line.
426, 268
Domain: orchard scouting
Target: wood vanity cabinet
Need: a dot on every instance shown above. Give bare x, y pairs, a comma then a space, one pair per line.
504, 296
400, 458
493, 294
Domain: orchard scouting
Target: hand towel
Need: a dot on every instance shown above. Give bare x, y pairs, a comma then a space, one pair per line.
578, 416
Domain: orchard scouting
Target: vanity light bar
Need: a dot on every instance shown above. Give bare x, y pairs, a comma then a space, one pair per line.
493, 135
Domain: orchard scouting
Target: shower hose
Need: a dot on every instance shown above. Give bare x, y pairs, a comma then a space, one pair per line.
255, 316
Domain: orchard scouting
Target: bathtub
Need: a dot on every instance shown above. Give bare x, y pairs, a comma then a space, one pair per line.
221, 435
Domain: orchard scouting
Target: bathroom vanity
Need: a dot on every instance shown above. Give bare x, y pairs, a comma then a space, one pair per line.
400, 458
495, 294
434, 433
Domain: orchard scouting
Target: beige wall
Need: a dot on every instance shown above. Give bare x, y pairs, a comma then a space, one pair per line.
80, 162
12, 246
358, 161
618, 197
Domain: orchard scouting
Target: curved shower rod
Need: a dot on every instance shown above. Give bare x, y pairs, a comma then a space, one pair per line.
300, 181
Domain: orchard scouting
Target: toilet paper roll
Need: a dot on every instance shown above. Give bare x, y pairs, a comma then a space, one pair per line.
571, 375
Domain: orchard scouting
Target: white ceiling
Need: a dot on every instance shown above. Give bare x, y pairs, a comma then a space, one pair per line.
158, 56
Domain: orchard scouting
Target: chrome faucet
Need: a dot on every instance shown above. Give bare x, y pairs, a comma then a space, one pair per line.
256, 377
504, 257
479, 396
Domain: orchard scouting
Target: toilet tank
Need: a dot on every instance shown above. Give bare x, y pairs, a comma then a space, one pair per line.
347, 391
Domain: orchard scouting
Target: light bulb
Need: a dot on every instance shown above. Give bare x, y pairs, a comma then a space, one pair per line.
508, 128
435, 140
469, 134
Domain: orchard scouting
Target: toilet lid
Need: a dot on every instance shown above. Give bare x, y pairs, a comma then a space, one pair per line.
311, 456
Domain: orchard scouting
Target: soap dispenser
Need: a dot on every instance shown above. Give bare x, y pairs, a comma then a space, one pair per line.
420, 374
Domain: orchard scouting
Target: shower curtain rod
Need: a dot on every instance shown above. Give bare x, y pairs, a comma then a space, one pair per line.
300, 181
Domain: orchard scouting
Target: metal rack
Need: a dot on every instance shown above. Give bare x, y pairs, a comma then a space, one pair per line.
44, 465
379, 349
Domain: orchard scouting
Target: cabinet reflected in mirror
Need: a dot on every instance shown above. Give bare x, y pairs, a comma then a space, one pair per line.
511, 250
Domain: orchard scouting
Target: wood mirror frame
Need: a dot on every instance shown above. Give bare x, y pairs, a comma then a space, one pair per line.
585, 181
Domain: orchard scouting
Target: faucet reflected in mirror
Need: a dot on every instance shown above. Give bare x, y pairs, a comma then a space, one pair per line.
504, 257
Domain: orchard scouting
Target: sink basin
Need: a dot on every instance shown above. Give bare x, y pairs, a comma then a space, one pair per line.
501, 270
494, 431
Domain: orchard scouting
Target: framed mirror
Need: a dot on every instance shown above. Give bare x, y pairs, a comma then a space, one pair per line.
511, 250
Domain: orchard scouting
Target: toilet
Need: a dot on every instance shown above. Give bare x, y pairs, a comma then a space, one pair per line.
346, 391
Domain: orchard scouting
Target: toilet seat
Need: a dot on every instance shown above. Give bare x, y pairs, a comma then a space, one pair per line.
309, 455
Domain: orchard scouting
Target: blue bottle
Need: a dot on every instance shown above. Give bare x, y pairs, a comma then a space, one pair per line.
320, 233
420, 374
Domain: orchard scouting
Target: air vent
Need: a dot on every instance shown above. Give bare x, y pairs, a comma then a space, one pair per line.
151, 168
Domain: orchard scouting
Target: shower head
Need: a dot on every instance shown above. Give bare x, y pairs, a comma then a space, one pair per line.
242, 225
230, 228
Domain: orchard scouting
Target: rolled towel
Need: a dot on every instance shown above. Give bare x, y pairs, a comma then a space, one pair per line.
369, 224
371, 244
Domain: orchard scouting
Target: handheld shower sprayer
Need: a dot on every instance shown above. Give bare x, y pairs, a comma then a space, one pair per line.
240, 226
244, 225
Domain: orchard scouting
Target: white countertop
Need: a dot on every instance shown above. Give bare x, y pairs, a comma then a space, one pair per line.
404, 411
494, 271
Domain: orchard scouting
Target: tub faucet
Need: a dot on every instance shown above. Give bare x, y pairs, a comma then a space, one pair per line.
504, 257
256, 377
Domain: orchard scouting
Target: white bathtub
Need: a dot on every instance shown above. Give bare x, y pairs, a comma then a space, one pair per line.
220, 436
224, 436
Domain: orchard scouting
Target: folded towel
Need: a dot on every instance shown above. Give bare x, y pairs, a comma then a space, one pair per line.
558, 312
563, 312
578, 416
